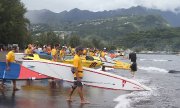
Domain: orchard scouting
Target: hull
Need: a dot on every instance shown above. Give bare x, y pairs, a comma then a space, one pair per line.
91, 77
122, 65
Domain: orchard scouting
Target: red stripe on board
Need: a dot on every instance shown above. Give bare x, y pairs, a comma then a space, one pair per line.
26, 73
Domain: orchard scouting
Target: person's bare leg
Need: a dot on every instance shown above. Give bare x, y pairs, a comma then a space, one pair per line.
2, 85
28, 82
133, 73
80, 91
14, 86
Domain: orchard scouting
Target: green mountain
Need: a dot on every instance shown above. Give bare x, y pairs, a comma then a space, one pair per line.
147, 32
111, 28
137, 31
167, 39
75, 15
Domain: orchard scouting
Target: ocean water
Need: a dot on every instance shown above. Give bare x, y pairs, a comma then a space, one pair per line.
152, 72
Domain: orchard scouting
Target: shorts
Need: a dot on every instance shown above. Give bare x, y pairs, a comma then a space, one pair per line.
77, 83
133, 66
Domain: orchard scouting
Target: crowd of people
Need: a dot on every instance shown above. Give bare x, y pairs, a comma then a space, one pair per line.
56, 51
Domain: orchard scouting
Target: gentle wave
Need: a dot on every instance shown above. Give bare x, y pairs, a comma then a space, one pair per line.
153, 69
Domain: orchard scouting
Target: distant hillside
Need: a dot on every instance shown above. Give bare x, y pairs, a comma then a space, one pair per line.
147, 32
167, 39
76, 15
109, 28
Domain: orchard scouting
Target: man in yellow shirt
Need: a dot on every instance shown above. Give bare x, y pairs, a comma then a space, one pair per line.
28, 50
78, 75
54, 53
62, 53
85, 52
10, 57
72, 51
102, 54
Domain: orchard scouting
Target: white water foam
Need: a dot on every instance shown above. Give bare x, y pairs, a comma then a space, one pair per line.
123, 101
153, 69
127, 100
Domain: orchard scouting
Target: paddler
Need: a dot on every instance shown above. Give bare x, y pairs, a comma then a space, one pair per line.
48, 49
132, 57
73, 51
54, 53
85, 51
28, 51
78, 75
10, 58
102, 54
62, 53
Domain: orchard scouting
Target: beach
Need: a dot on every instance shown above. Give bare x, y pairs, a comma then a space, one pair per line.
41, 94
152, 72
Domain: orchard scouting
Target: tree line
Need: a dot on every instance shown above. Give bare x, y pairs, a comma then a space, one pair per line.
13, 24
140, 33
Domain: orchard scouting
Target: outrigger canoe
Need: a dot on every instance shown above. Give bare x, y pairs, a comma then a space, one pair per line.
92, 61
110, 63
86, 63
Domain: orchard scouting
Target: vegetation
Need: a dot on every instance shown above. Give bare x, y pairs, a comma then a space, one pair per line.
13, 25
136, 32
140, 32
167, 39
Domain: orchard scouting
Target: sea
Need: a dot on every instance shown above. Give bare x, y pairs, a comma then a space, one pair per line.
153, 71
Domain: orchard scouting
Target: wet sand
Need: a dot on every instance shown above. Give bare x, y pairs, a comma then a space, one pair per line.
41, 94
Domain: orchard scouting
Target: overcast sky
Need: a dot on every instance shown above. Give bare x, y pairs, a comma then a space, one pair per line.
99, 5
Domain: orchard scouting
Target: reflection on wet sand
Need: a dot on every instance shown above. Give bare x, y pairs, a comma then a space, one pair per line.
7, 98
71, 105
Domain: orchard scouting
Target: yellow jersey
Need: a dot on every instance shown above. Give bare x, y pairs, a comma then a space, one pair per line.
84, 52
10, 57
53, 52
92, 53
62, 53
102, 54
72, 51
28, 51
78, 64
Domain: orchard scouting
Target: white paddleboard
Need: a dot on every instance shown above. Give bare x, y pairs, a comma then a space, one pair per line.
92, 77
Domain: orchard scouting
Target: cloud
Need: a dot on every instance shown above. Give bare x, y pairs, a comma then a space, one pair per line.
99, 5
